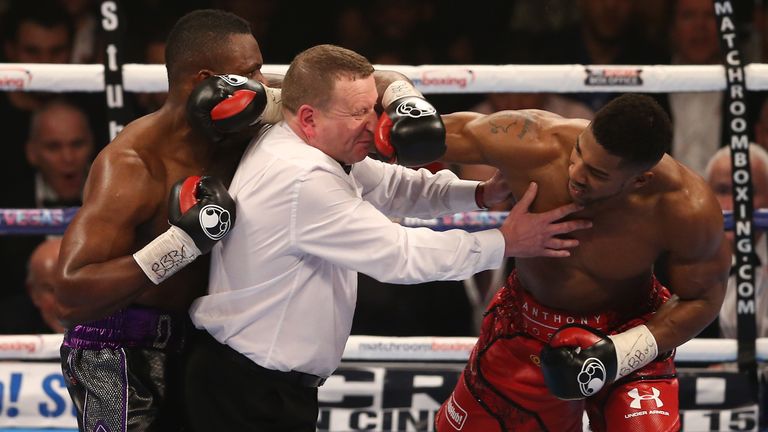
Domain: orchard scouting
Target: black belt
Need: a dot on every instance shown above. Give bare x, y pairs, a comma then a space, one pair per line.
293, 377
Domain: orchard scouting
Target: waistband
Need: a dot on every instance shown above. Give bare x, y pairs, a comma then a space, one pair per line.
301, 379
542, 321
132, 327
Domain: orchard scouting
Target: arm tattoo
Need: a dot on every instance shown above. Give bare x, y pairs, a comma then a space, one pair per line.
504, 128
526, 126
495, 128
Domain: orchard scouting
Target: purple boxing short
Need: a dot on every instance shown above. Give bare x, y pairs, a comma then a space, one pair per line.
123, 371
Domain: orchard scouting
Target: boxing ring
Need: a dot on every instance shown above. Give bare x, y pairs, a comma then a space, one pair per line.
386, 383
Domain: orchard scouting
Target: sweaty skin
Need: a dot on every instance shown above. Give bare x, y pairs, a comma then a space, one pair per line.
125, 202
670, 213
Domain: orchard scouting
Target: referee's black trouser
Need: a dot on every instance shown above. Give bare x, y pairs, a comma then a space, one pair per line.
226, 391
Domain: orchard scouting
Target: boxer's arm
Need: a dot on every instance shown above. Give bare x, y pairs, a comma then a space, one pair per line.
520, 139
96, 272
699, 261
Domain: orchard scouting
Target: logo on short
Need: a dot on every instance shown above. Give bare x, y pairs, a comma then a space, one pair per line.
592, 376
100, 427
416, 108
234, 80
637, 397
215, 221
455, 414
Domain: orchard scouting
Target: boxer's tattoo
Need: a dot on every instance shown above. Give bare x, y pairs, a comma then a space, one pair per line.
495, 128
526, 127
503, 127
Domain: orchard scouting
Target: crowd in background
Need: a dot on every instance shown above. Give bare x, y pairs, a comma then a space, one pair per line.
49, 139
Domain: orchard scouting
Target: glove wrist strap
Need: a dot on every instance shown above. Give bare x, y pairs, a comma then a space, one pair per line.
398, 89
635, 348
273, 112
166, 254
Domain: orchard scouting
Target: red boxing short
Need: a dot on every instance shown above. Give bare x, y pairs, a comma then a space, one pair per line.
502, 387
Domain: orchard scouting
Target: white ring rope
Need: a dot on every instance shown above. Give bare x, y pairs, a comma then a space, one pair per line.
428, 78
380, 348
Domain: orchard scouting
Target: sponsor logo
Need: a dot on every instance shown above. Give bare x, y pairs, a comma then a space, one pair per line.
455, 414
592, 376
25, 346
14, 78
637, 397
234, 80
613, 77
415, 108
445, 78
648, 398
101, 427
215, 221
32, 217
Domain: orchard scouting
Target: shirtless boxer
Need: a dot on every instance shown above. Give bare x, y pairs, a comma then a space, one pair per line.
126, 315
543, 355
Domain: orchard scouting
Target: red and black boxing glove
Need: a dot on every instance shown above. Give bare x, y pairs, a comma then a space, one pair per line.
222, 105
410, 132
202, 207
579, 361
201, 212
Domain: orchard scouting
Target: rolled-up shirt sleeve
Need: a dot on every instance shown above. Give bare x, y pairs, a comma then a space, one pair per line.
330, 221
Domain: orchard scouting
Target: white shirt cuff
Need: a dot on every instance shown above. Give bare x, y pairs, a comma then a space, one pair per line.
462, 195
492, 245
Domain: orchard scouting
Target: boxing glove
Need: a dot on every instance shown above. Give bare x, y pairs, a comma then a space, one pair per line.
409, 132
222, 105
579, 361
201, 212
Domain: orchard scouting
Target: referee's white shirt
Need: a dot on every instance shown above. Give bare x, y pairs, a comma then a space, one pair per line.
283, 283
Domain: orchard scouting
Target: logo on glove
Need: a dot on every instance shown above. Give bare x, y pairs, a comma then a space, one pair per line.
416, 108
215, 221
234, 80
592, 376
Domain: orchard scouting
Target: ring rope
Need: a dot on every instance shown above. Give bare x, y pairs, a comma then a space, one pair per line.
428, 78
53, 221
385, 348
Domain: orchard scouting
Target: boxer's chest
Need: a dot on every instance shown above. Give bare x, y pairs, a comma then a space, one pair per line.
614, 258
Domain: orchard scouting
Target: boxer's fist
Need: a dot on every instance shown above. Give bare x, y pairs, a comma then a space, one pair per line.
578, 362
202, 207
410, 132
200, 212
222, 105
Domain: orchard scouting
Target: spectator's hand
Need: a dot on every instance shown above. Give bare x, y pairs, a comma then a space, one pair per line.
535, 234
